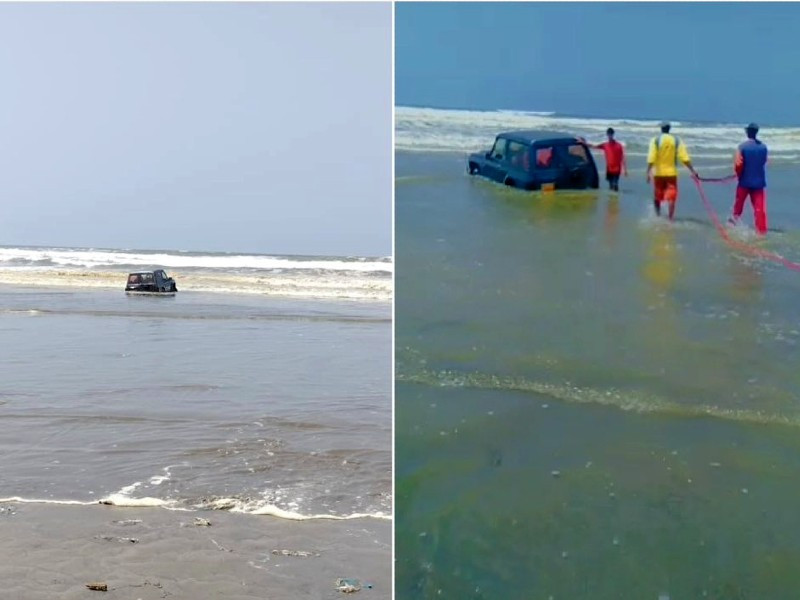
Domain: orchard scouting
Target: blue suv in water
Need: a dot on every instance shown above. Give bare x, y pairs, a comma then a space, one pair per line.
150, 282
537, 160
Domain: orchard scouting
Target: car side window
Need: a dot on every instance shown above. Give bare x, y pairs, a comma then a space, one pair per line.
544, 157
577, 154
519, 155
499, 150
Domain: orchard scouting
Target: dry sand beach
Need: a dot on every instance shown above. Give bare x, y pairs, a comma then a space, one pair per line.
54, 551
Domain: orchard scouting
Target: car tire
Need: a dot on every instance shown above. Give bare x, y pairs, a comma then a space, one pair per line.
509, 182
473, 169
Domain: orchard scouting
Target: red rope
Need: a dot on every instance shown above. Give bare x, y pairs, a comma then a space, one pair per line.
723, 232
725, 179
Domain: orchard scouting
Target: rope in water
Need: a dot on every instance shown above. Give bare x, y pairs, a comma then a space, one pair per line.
723, 232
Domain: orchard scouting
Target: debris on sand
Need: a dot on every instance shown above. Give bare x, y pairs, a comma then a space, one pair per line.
201, 522
300, 553
111, 538
97, 586
348, 586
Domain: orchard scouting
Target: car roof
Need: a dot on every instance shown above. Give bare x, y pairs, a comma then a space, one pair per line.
143, 272
528, 136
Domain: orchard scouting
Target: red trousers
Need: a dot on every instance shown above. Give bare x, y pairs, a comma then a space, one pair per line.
759, 200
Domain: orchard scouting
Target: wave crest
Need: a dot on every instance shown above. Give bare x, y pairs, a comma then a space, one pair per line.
443, 130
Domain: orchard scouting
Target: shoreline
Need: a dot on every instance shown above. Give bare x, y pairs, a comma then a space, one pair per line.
229, 505
54, 550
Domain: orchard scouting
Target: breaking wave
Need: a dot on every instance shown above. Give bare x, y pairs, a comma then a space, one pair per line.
354, 278
444, 130
91, 258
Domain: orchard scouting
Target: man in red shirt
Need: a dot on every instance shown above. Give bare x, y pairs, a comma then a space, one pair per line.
615, 159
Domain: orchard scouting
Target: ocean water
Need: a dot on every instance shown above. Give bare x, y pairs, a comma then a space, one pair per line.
439, 130
234, 394
591, 401
334, 277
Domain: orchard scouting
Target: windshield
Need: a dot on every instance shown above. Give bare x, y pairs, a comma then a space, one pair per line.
499, 149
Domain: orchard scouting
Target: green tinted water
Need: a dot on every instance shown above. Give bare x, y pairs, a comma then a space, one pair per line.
646, 364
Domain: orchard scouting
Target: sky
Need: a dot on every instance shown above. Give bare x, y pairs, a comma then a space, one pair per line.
244, 127
729, 62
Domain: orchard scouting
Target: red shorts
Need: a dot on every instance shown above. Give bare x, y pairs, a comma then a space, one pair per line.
665, 189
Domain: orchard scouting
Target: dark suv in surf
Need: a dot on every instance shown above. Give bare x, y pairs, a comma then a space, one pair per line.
151, 282
537, 160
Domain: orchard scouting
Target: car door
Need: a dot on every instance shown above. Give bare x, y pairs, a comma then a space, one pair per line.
518, 161
496, 167
159, 281
575, 171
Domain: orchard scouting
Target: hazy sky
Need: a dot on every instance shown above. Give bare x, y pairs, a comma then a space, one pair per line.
231, 127
714, 61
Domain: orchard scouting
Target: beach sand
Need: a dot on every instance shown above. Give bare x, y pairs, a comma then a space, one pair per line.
52, 551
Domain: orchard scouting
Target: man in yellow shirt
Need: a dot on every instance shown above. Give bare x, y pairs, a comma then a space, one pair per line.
662, 157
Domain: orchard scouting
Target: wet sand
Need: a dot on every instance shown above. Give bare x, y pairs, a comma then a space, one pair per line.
51, 551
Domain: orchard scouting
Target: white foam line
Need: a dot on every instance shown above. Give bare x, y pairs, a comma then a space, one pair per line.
237, 506
121, 499
130, 488
19, 500
274, 511
159, 479
124, 501
113, 500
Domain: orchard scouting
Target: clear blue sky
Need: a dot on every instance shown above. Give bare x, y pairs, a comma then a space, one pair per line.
711, 61
201, 126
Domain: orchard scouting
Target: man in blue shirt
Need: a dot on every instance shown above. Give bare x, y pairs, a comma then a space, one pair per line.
750, 165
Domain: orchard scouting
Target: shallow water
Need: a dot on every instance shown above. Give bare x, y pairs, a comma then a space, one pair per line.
256, 404
585, 390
